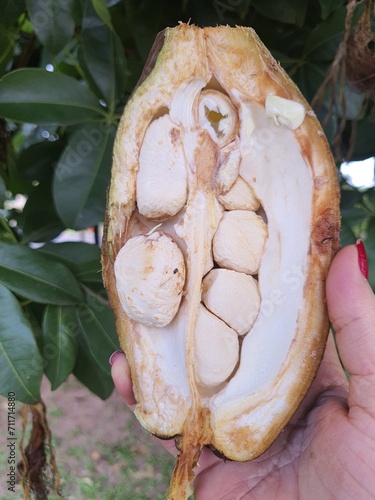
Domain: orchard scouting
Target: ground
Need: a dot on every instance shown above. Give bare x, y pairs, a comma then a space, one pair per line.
102, 452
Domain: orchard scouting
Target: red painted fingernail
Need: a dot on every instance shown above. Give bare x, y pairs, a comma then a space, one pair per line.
114, 355
362, 258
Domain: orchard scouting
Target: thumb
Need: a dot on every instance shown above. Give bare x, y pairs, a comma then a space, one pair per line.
121, 377
351, 308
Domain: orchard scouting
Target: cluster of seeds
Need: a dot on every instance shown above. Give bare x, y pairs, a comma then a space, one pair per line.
153, 265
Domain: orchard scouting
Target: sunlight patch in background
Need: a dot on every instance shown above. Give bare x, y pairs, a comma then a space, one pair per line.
359, 174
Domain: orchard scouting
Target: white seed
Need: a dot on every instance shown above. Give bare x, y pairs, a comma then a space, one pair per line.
233, 297
240, 197
161, 188
183, 108
179, 226
218, 116
285, 111
229, 167
247, 124
239, 241
216, 349
150, 275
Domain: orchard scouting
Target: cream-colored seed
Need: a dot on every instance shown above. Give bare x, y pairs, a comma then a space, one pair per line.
161, 187
150, 275
229, 167
233, 297
239, 241
240, 197
285, 112
216, 349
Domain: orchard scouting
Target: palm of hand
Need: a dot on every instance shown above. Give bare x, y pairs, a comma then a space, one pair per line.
323, 453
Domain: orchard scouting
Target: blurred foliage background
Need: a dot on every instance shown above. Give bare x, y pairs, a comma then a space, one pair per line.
67, 68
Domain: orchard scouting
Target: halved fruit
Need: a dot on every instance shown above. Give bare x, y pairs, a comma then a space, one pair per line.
221, 223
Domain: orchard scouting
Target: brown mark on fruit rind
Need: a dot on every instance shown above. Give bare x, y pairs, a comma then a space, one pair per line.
320, 181
326, 229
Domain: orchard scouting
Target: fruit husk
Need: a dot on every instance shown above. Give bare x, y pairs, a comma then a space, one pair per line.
257, 74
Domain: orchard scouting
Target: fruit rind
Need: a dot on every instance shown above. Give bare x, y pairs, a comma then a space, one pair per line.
245, 425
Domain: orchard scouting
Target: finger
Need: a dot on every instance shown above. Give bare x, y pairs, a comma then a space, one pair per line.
351, 307
330, 379
121, 377
330, 370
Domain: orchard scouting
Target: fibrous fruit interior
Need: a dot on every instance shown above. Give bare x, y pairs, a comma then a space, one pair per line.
222, 220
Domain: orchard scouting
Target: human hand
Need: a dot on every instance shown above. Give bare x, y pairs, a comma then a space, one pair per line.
327, 451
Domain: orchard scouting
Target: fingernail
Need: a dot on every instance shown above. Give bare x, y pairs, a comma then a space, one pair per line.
114, 356
362, 258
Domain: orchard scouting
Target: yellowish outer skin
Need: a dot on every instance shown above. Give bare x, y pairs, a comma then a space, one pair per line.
240, 61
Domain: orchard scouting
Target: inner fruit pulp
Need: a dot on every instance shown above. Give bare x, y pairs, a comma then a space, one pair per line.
217, 223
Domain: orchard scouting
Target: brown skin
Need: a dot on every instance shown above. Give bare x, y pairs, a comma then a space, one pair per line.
328, 449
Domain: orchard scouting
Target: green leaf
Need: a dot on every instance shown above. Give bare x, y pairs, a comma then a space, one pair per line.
10, 11
143, 26
370, 249
73, 253
326, 31
30, 134
102, 57
284, 11
349, 196
37, 161
352, 210
8, 39
134, 71
90, 272
102, 11
39, 219
224, 10
9, 166
37, 96
37, 278
98, 328
21, 366
7, 153
328, 6
96, 343
242, 7
82, 175
347, 236
53, 22
82, 258
308, 78
369, 200
60, 343
364, 139
6, 233
34, 313
90, 374
77, 12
